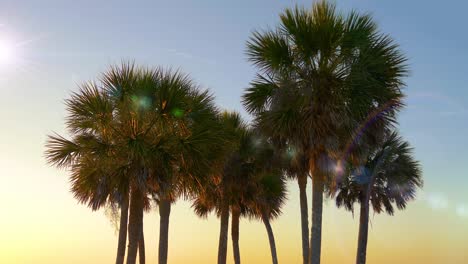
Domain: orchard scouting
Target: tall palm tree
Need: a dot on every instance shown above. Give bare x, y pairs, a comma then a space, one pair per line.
389, 177
234, 188
224, 192
93, 180
321, 74
151, 127
200, 142
269, 198
297, 168
261, 185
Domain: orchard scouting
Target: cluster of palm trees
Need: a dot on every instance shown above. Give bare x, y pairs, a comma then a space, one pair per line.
324, 106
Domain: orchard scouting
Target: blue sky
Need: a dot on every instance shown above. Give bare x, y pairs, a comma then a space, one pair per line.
63, 43
68, 42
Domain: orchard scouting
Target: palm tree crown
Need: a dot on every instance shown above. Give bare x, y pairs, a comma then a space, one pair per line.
321, 74
148, 130
394, 174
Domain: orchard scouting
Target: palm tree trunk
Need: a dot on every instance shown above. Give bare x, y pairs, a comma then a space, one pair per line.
122, 231
271, 239
363, 229
302, 181
316, 230
364, 214
141, 247
164, 213
135, 222
223, 235
235, 234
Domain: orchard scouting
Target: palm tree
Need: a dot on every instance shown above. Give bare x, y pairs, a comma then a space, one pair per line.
297, 168
270, 197
261, 186
234, 188
145, 129
321, 74
224, 191
93, 183
180, 125
389, 177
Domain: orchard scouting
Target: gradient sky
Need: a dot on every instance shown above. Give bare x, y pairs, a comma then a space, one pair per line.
59, 44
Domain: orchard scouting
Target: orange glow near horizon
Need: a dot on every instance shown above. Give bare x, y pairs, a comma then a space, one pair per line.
74, 234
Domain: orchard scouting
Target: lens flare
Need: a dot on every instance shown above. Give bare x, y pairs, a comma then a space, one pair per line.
462, 210
291, 152
339, 170
141, 102
177, 112
437, 201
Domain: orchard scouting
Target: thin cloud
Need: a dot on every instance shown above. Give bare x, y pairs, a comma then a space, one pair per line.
190, 56
451, 107
181, 54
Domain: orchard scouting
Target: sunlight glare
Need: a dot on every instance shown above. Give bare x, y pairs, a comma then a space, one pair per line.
6, 52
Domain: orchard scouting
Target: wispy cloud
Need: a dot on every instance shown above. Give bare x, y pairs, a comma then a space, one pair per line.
441, 104
190, 56
181, 54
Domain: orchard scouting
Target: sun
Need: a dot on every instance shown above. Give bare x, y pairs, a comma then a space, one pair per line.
6, 52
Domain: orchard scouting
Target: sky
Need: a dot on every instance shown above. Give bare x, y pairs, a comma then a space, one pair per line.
56, 45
